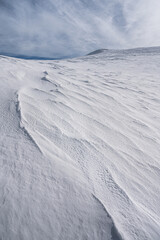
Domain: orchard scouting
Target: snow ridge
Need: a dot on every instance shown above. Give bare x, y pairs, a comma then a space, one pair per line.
25, 97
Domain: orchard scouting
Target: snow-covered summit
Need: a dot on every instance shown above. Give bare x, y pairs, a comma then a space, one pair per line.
80, 147
141, 51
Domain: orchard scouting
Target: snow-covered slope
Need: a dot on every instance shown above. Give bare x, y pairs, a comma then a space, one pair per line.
80, 147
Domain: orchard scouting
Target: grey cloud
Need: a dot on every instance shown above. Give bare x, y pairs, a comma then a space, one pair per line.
57, 28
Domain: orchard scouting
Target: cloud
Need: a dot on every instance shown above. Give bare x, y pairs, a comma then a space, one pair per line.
57, 28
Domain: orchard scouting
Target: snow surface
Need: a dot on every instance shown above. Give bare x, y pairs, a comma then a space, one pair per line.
80, 147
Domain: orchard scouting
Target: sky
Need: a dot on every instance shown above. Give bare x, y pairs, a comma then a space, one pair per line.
59, 28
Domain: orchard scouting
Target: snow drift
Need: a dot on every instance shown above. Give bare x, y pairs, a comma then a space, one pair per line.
80, 147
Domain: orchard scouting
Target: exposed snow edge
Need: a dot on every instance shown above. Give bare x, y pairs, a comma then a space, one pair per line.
22, 124
114, 231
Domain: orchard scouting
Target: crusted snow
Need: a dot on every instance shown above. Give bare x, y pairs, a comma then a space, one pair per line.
80, 147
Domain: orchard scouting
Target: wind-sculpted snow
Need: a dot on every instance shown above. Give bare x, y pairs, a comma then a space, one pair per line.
80, 147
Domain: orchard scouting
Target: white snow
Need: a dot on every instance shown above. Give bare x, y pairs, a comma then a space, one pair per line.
80, 147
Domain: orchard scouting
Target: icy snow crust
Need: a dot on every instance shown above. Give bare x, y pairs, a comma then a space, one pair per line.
80, 147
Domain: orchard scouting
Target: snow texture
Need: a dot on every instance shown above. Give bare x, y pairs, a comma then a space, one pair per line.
80, 147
